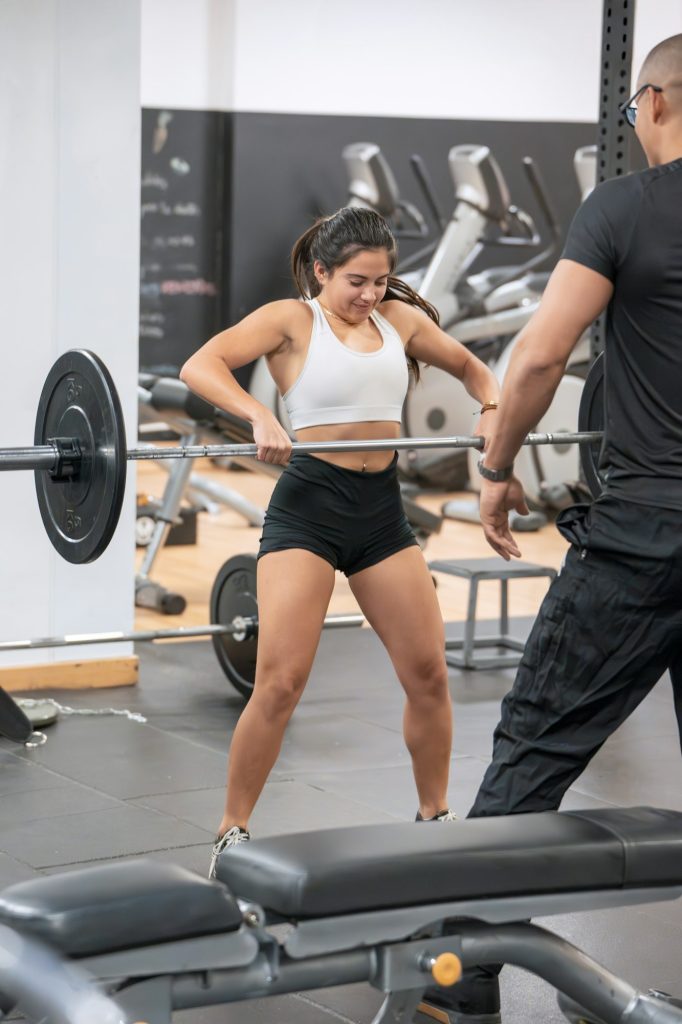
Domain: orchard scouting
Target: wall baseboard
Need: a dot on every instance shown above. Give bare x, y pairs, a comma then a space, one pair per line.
71, 675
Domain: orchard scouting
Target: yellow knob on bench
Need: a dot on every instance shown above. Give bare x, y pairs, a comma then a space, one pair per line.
446, 969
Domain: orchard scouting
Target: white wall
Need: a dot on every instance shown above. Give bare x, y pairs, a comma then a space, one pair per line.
529, 60
491, 59
69, 220
655, 20
187, 54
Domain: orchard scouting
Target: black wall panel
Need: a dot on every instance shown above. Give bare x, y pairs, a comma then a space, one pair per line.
224, 195
185, 192
287, 169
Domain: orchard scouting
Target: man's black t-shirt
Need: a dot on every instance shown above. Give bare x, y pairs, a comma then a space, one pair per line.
630, 231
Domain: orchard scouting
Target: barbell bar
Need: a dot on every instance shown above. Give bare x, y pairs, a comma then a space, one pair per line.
46, 457
237, 629
240, 628
214, 451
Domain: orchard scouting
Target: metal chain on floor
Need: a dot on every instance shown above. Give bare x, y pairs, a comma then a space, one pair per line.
37, 739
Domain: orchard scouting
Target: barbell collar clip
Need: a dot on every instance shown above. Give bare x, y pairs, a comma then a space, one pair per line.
68, 457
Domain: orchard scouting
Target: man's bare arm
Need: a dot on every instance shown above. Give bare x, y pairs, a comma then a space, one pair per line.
575, 296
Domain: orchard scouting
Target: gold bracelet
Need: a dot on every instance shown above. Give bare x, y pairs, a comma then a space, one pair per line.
488, 405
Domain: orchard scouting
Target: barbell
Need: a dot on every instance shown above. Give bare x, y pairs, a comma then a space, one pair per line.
233, 629
80, 457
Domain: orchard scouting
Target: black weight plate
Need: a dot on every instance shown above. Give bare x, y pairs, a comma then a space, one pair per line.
79, 399
234, 593
591, 417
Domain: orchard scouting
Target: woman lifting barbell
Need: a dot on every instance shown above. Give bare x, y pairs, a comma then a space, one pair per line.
341, 360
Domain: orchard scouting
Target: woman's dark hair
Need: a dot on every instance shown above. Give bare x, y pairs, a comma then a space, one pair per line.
336, 239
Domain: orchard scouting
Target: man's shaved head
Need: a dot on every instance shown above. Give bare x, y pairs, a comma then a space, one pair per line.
658, 123
664, 63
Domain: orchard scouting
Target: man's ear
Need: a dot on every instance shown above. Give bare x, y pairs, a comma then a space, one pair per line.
660, 108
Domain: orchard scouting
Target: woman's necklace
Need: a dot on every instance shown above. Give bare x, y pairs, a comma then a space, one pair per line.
335, 315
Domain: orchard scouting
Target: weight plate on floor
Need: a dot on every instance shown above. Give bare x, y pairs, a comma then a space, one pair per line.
39, 712
234, 594
591, 417
79, 399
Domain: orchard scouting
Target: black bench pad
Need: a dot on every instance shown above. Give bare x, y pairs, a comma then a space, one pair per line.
343, 871
119, 906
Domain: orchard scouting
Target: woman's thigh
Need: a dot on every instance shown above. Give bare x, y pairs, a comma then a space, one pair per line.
399, 600
294, 589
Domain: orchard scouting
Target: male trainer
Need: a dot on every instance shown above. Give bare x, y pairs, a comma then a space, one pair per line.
611, 623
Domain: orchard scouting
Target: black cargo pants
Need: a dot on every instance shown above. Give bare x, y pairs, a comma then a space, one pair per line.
609, 627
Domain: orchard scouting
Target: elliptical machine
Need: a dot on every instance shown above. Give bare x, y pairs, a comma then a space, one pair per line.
551, 477
483, 310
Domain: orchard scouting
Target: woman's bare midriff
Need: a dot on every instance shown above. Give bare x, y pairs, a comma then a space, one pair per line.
371, 461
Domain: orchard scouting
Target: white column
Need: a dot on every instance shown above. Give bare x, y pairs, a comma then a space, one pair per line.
69, 177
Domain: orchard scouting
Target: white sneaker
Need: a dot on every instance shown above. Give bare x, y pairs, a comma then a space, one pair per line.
233, 837
446, 815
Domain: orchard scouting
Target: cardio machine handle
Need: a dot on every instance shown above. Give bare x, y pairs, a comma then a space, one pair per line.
540, 192
421, 228
532, 238
542, 198
428, 191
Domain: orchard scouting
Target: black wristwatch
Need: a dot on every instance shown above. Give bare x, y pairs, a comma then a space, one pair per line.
498, 475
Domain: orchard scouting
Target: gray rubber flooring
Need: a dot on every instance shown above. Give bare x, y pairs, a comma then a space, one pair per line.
107, 788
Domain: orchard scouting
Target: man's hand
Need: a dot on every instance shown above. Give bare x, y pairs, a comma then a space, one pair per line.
497, 500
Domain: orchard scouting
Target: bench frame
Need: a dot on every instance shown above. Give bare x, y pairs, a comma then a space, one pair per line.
152, 982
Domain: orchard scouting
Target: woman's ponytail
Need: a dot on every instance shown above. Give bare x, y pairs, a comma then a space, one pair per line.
302, 260
397, 289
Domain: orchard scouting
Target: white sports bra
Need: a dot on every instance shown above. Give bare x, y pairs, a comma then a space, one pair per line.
339, 385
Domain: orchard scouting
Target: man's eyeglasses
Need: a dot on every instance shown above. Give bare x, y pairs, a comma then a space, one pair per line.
629, 108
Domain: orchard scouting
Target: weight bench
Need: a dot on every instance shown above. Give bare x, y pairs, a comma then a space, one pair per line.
361, 904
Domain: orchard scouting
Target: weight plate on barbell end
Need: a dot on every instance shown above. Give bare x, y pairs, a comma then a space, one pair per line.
79, 399
591, 417
234, 594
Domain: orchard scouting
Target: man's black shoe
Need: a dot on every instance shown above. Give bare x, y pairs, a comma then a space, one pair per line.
473, 1000
428, 1012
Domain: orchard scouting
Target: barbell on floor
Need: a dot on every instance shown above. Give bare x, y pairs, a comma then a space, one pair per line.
233, 628
80, 456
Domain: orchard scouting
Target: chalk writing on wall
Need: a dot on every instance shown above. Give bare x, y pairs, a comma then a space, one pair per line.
181, 233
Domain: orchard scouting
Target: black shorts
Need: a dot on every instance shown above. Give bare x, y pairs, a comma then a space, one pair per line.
351, 519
